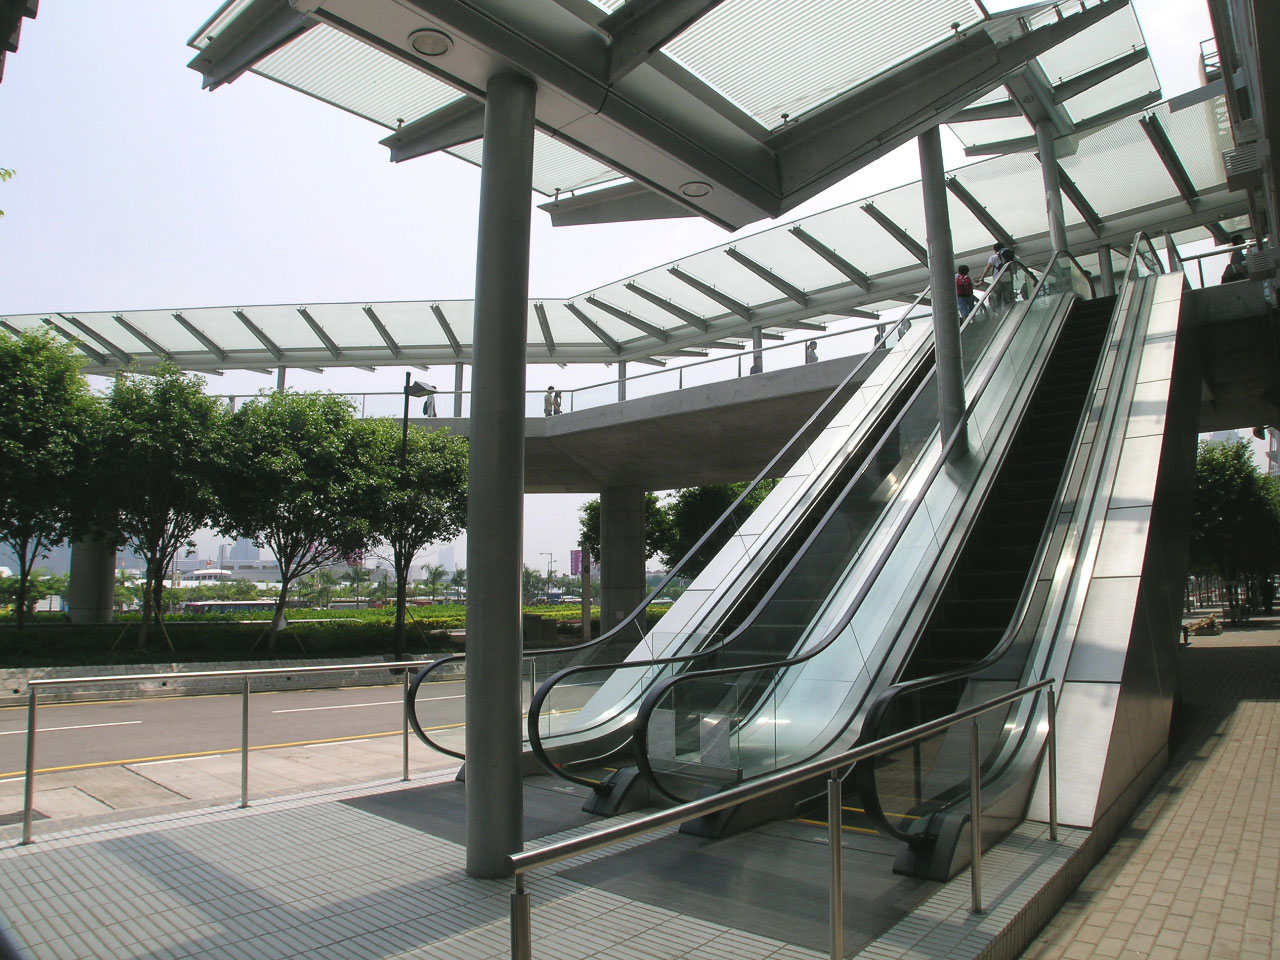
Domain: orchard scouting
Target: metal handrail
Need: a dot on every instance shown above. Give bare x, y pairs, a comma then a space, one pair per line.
34, 687
524, 862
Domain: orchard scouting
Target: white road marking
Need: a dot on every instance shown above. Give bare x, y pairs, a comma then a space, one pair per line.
348, 706
79, 726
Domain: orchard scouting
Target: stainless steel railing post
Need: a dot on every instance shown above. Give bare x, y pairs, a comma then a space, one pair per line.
244, 746
835, 820
975, 820
29, 788
521, 924
1053, 767
404, 719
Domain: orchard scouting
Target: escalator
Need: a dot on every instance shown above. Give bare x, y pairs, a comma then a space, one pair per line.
732, 714
1004, 623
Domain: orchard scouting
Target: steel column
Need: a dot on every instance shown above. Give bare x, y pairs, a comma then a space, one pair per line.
946, 316
495, 514
280, 379
622, 380
835, 822
1052, 185
1106, 271
757, 350
457, 389
29, 785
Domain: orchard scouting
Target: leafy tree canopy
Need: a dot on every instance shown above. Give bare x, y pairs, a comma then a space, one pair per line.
673, 526
45, 419
292, 481
157, 446
1236, 516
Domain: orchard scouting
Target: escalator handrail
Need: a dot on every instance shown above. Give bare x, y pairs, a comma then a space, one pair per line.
864, 774
903, 521
902, 325
535, 707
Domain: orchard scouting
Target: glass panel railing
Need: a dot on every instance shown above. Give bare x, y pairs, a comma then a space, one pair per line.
795, 670
897, 352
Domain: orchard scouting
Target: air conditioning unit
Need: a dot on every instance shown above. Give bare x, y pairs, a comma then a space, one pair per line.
1261, 264
1245, 164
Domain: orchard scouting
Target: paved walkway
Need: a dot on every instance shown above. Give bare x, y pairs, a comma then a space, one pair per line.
1195, 873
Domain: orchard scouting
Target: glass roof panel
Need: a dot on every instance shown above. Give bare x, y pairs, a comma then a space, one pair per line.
461, 317
352, 75
410, 324
346, 325
158, 325
281, 323
772, 57
1117, 91
1119, 169
973, 132
792, 260
1110, 37
556, 165
221, 326
1201, 155
1011, 188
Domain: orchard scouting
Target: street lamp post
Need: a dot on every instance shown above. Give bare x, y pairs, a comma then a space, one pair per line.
412, 388
546, 586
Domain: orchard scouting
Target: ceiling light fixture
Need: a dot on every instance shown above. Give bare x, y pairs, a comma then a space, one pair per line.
695, 188
431, 43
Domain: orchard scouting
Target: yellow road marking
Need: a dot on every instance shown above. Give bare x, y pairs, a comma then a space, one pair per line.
214, 753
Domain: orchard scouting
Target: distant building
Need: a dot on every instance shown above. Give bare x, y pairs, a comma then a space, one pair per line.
243, 551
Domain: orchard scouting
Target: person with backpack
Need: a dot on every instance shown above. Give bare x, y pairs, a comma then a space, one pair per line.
965, 300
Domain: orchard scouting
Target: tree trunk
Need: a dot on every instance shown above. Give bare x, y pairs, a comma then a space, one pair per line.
402, 590
24, 581
279, 621
148, 602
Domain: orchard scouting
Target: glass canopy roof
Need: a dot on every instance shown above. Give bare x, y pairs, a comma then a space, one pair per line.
757, 64
834, 264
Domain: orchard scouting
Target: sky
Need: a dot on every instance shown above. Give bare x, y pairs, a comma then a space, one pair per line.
135, 189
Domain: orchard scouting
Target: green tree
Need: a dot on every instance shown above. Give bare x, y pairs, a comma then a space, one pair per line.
6, 174
673, 526
459, 582
45, 421
415, 501
530, 584
692, 511
654, 518
291, 482
157, 447
1236, 517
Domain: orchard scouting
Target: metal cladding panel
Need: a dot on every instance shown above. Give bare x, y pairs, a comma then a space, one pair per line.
1124, 543
341, 70
1087, 711
782, 57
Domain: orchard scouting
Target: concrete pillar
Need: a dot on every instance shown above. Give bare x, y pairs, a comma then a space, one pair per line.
946, 315
280, 379
621, 553
1106, 271
91, 590
495, 514
457, 389
1052, 185
622, 380
757, 350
